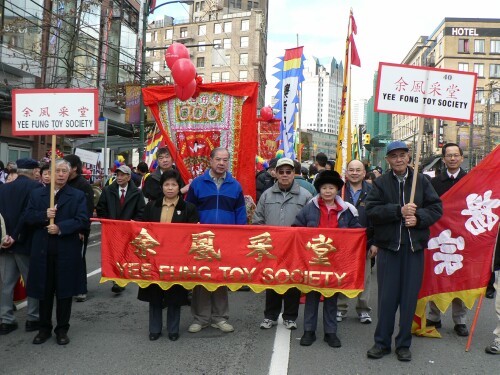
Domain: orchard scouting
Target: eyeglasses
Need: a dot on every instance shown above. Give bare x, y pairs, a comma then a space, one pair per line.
283, 171
451, 156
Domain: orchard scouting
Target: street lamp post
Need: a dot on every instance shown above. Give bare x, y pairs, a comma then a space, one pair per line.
145, 14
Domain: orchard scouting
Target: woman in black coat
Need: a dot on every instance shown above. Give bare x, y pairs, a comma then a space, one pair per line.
170, 208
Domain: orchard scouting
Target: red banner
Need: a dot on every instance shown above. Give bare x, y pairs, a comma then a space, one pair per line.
460, 250
262, 257
269, 132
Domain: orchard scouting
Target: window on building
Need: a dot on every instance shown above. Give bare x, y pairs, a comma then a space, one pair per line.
218, 43
479, 94
463, 46
227, 43
244, 42
235, 4
215, 77
495, 46
463, 67
252, 5
197, 6
494, 70
225, 77
479, 69
169, 34
201, 46
202, 30
148, 37
217, 28
245, 25
244, 59
156, 66
478, 119
479, 46
184, 32
228, 27
148, 53
243, 75
200, 62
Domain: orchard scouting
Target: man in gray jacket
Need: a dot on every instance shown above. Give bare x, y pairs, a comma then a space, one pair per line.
278, 206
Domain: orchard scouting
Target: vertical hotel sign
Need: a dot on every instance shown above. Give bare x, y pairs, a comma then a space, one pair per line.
55, 111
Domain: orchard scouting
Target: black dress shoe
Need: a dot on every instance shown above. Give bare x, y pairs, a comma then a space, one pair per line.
308, 338
41, 337
461, 330
376, 352
173, 336
6, 328
332, 340
117, 288
431, 323
244, 288
32, 325
62, 338
490, 293
154, 336
404, 354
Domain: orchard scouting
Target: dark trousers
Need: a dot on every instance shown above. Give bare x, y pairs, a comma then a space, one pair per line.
156, 318
290, 301
329, 312
63, 306
84, 252
399, 276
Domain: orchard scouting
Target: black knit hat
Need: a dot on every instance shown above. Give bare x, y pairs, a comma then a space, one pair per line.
328, 177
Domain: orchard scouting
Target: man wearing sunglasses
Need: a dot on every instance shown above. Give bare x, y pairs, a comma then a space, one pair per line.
278, 206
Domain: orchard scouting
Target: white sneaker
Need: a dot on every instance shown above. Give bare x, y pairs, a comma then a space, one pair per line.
340, 316
268, 323
223, 326
493, 348
290, 324
196, 327
365, 318
81, 298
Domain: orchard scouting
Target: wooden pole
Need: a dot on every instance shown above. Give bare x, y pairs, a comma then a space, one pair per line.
52, 173
473, 326
416, 162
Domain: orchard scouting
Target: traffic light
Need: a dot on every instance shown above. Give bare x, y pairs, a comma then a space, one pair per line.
366, 139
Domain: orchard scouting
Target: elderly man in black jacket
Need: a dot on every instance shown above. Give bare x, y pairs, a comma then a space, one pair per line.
121, 200
15, 252
401, 233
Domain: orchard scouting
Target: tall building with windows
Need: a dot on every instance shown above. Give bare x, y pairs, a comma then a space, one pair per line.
464, 44
227, 40
321, 96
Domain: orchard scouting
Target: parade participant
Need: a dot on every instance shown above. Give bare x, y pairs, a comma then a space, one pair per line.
356, 190
121, 200
266, 178
297, 168
171, 208
15, 251
320, 163
401, 233
327, 210
143, 171
3, 173
494, 348
45, 174
152, 189
278, 206
453, 158
56, 262
219, 199
77, 181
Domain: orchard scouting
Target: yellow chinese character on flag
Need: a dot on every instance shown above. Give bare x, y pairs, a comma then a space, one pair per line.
144, 244
322, 246
260, 245
203, 246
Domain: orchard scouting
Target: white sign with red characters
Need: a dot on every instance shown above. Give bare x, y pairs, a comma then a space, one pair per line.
55, 111
426, 92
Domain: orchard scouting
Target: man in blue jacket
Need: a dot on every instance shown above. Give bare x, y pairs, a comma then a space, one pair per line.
401, 233
15, 252
219, 199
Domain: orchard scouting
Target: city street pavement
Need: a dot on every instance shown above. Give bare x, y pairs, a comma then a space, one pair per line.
109, 335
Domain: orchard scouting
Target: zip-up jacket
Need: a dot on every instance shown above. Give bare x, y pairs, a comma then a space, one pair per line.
383, 207
310, 215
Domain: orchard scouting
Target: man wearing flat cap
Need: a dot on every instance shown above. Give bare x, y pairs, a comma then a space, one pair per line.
15, 251
401, 233
278, 206
121, 200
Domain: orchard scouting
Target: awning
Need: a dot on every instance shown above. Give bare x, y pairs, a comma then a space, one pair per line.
114, 142
431, 164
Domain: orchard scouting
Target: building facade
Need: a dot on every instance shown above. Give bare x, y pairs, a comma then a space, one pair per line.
227, 41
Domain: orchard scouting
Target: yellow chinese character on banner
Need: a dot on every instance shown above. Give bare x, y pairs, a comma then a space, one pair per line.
260, 245
203, 246
321, 247
144, 244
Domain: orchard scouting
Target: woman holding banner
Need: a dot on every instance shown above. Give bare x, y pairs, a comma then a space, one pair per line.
170, 208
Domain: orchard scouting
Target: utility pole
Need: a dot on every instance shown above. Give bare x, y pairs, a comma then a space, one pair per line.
487, 132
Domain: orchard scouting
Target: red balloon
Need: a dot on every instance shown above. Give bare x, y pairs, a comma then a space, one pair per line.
266, 113
175, 52
187, 91
183, 72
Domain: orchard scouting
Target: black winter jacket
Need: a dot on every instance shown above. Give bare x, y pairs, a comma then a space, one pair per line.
108, 206
443, 182
384, 210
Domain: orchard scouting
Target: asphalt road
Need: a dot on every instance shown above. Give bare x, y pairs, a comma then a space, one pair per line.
109, 335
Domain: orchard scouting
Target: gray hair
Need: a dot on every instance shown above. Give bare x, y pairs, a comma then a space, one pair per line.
217, 149
65, 162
